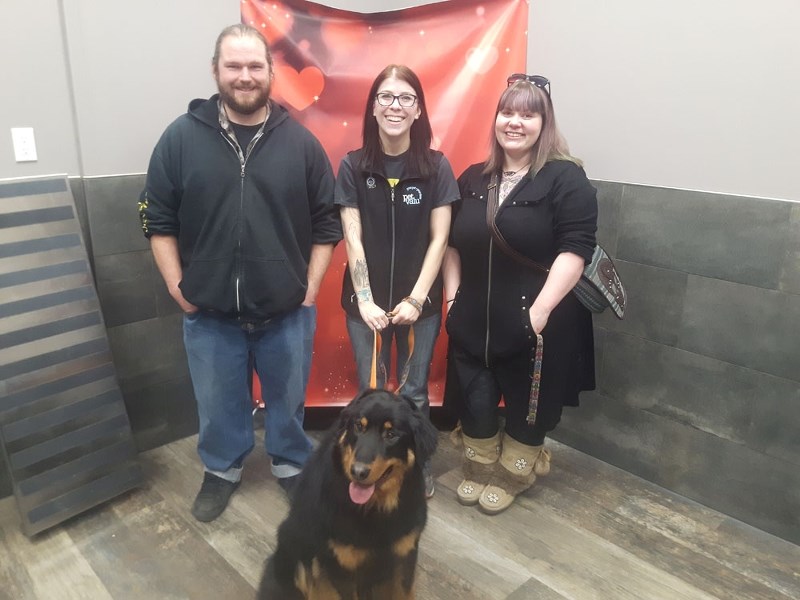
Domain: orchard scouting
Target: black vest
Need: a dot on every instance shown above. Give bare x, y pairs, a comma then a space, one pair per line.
395, 233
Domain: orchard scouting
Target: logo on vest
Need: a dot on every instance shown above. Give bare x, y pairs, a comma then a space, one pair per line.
412, 195
371, 183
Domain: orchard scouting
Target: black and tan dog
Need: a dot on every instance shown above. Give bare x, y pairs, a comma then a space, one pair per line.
358, 509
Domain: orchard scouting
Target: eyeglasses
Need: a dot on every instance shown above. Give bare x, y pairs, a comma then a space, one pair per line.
538, 80
404, 100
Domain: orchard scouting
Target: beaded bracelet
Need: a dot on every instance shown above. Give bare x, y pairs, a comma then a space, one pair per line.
413, 303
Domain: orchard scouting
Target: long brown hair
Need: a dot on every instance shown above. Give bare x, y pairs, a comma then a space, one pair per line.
419, 158
523, 96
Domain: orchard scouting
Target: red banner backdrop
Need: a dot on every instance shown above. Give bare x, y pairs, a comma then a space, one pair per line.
326, 60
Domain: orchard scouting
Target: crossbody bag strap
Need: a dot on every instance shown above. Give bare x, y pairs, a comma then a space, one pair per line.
492, 206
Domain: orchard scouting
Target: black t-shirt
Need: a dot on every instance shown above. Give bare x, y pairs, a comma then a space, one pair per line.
394, 166
245, 134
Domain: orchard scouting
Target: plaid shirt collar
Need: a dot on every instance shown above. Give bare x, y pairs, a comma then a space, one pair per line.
227, 127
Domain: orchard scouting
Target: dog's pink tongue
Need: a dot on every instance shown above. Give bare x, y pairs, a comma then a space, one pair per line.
361, 493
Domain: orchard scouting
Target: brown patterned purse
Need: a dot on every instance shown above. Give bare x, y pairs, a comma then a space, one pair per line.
599, 287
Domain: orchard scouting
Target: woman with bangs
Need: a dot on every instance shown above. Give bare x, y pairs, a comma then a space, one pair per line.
395, 194
516, 332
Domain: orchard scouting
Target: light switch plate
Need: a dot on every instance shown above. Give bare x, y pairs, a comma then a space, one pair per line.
24, 144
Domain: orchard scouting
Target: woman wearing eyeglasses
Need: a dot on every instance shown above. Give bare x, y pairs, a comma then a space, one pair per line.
517, 332
395, 195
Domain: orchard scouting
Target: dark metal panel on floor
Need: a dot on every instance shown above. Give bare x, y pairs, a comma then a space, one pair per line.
64, 432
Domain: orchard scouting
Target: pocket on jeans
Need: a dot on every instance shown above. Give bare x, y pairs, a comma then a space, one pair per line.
191, 317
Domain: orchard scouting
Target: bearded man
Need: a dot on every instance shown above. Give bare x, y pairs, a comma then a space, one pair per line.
238, 208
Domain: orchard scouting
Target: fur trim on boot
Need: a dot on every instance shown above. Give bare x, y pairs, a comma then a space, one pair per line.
515, 472
480, 457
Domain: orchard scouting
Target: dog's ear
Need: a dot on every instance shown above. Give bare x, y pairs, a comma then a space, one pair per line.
350, 411
344, 419
426, 437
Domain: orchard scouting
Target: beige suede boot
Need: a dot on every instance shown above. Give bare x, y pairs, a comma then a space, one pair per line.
480, 457
515, 472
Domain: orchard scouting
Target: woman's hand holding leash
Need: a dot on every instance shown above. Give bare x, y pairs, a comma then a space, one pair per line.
373, 315
406, 312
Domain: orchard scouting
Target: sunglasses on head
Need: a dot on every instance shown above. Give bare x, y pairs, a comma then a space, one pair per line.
538, 80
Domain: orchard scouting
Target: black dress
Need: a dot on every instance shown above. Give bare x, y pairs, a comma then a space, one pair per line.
488, 323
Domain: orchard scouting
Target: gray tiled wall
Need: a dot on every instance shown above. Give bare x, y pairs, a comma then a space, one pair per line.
698, 388
144, 324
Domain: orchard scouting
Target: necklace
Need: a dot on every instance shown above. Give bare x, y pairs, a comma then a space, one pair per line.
512, 173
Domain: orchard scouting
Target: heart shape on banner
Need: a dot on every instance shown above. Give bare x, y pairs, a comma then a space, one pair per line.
300, 90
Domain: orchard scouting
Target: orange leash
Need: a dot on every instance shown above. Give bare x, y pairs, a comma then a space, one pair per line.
407, 366
377, 341
376, 351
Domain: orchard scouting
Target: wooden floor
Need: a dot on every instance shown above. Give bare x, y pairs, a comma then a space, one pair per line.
588, 530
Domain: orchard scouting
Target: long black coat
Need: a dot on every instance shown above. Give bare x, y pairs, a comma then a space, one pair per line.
554, 212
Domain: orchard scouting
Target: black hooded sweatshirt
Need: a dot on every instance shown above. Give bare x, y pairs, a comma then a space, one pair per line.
244, 227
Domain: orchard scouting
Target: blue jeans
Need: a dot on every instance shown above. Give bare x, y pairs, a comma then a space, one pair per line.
419, 367
218, 350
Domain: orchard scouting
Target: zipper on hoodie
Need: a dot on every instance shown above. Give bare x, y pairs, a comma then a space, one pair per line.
239, 240
243, 164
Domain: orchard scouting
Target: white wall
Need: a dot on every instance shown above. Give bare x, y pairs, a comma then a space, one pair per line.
35, 88
135, 67
99, 81
696, 94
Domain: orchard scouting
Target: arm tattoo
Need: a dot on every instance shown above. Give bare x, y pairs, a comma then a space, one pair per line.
361, 280
360, 274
